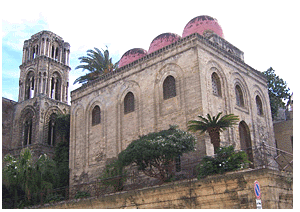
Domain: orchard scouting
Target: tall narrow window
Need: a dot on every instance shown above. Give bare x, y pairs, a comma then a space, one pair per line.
245, 140
51, 130
169, 87
216, 85
27, 132
239, 96
56, 87
129, 103
259, 106
96, 115
52, 51
56, 53
29, 86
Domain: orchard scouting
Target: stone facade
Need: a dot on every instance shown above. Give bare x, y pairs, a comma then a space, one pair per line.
8, 108
210, 77
233, 190
43, 93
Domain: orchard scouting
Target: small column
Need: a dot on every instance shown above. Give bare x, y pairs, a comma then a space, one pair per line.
44, 45
24, 54
67, 57
60, 54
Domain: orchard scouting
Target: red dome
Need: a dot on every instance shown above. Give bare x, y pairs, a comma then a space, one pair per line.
132, 55
162, 41
201, 24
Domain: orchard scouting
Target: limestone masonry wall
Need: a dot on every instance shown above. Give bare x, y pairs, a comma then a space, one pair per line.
191, 62
233, 190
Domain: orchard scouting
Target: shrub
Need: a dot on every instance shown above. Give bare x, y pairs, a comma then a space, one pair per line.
114, 175
82, 194
225, 160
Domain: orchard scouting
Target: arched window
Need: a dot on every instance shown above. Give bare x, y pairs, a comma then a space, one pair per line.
129, 103
259, 106
216, 85
56, 53
29, 86
51, 130
245, 140
169, 87
52, 51
96, 115
27, 132
56, 86
239, 96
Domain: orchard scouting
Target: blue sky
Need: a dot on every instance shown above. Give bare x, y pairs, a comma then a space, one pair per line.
264, 30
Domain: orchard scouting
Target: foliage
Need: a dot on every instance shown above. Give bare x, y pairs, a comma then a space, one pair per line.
53, 197
278, 91
62, 124
61, 151
97, 63
213, 125
82, 194
114, 175
24, 176
154, 154
225, 160
61, 159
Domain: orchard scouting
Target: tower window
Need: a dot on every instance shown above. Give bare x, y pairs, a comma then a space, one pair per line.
216, 85
169, 87
96, 115
259, 106
27, 132
239, 96
29, 86
52, 52
51, 130
56, 86
56, 54
129, 103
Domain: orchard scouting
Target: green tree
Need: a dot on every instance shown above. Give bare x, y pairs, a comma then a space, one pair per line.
154, 153
225, 160
278, 91
114, 175
62, 124
96, 63
213, 125
23, 175
61, 151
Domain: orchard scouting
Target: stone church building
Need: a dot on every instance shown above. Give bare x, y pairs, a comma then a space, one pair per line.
43, 94
177, 79
171, 83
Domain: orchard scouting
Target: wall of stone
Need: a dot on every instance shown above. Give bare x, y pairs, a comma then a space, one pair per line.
191, 62
233, 190
284, 141
8, 109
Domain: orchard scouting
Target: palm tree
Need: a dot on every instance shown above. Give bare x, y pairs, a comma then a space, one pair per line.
213, 125
97, 63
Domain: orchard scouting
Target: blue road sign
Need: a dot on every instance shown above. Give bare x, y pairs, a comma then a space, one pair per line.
257, 190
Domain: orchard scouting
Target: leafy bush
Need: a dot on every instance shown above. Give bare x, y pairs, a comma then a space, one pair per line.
225, 160
155, 153
82, 194
114, 175
53, 197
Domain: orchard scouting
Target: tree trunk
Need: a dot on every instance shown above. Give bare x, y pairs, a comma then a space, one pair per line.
214, 134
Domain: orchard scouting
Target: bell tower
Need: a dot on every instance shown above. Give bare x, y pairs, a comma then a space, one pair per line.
45, 67
43, 93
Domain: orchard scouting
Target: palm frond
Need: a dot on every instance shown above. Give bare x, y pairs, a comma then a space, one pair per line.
97, 62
